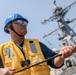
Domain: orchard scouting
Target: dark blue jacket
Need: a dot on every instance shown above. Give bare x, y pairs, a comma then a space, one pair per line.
48, 53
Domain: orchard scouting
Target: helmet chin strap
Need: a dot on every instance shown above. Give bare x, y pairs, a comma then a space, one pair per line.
15, 31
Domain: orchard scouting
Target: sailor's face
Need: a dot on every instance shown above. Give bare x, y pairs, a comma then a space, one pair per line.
20, 27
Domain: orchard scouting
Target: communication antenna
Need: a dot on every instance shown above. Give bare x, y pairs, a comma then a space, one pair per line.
67, 36
67, 32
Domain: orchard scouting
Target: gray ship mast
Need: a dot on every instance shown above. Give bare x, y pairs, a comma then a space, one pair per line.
67, 37
67, 32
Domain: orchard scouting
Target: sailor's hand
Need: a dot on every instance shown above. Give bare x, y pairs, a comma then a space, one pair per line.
6, 71
67, 51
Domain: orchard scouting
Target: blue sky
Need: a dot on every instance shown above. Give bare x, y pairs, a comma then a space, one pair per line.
35, 11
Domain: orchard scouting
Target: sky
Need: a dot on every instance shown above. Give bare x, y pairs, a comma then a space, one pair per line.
35, 11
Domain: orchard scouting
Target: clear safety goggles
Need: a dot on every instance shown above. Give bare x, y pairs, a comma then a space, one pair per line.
20, 22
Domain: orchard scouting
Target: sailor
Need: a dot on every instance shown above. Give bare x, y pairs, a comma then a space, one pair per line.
21, 52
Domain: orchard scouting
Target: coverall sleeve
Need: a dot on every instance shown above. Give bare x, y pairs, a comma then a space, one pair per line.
48, 53
1, 62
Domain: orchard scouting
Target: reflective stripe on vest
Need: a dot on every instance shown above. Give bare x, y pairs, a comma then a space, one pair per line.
33, 47
9, 53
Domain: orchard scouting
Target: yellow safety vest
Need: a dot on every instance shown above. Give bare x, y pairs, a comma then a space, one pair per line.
12, 56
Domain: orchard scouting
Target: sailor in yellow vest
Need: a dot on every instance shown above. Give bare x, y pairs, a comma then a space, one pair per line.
20, 52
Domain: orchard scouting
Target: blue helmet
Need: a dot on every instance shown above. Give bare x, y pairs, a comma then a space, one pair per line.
12, 18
